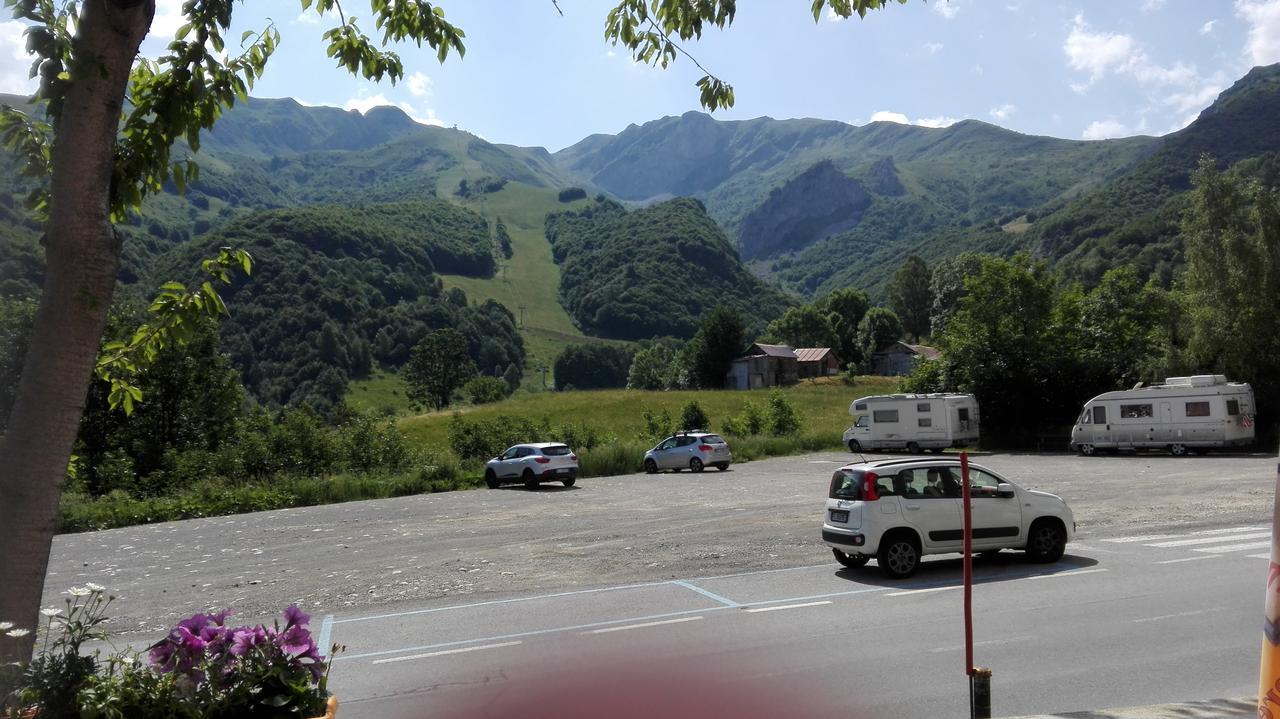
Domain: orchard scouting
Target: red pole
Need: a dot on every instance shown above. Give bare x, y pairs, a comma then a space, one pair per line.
968, 564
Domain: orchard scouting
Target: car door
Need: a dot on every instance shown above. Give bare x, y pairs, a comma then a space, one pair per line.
662, 453
932, 508
505, 462
997, 521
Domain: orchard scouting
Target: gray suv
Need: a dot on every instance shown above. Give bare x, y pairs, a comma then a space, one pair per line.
693, 450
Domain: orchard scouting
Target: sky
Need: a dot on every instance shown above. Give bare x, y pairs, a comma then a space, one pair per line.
1090, 69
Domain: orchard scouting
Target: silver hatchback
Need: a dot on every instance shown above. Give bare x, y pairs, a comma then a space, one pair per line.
690, 450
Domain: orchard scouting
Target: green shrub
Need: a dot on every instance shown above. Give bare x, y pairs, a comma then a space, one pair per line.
692, 417
485, 389
617, 457
482, 439
780, 416
656, 426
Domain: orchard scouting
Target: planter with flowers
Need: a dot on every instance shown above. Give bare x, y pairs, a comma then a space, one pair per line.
203, 668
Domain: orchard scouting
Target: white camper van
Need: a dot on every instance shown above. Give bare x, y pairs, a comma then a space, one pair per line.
1183, 414
913, 422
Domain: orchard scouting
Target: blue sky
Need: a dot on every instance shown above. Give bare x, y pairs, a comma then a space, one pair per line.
1085, 69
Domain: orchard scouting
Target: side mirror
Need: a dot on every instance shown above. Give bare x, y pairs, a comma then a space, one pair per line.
1005, 490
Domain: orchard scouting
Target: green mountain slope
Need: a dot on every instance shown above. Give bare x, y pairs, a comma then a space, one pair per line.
651, 272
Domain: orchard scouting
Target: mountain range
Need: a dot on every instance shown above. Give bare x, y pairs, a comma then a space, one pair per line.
806, 205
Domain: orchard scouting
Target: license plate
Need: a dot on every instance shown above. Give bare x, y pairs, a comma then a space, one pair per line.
840, 515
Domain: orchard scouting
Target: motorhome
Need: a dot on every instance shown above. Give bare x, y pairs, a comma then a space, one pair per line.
1183, 414
914, 422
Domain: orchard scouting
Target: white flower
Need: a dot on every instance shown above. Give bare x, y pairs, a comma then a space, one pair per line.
95, 588
78, 591
4, 626
15, 633
51, 612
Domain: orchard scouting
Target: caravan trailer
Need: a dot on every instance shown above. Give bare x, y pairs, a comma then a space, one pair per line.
914, 422
1183, 414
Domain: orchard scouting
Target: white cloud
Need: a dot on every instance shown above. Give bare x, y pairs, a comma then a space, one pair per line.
1152, 5
1096, 53
887, 116
1207, 28
1263, 44
307, 18
977, 70
15, 63
168, 19
363, 103
419, 84
1195, 99
832, 16
939, 121
946, 8
1105, 129
933, 48
1004, 112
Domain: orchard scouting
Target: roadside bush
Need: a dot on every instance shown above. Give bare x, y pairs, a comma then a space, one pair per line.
780, 416
366, 444
581, 436
485, 389
614, 458
656, 426
482, 439
747, 423
692, 417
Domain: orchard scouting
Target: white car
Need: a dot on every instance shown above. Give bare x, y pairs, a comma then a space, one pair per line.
692, 450
533, 464
897, 510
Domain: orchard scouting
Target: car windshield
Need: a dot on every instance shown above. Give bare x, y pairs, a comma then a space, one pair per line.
713, 439
556, 450
846, 484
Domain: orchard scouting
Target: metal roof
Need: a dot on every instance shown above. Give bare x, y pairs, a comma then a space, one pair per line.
776, 350
812, 354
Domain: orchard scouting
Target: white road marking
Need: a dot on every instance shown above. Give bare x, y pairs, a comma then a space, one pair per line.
446, 651
1141, 538
1232, 530
988, 643
1258, 556
1074, 573
923, 591
1219, 539
1184, 559
606, 630
708, 594
1179, 615
786, 606
1234, 547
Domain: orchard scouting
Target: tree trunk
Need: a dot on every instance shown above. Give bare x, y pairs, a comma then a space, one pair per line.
83, 256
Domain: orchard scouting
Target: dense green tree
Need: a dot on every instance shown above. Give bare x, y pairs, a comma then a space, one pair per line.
946, 287
654, 367
512, 377
910, 296
504, 238
693, 417
484, 389
845, 309
879, 328
97, 173
803, 326
592, 366
720, 339
438, 366
1232, 279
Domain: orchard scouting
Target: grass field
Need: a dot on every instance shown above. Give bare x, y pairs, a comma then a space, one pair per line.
822, 405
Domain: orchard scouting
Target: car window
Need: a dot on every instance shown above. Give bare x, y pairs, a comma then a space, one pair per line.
940, 483
685, 441
846, 484
556, 450
524, 451
982, 484
668, 444
713, 439
511, 453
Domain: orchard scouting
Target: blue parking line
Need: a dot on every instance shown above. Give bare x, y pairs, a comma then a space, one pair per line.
326, 628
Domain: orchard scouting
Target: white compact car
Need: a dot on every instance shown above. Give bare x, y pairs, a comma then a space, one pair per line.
692, 450
533, 464
897, 510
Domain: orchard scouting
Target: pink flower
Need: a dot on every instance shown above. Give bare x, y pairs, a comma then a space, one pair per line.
293, 616
295, 640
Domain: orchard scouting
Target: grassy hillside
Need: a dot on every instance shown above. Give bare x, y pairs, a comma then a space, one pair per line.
823, 406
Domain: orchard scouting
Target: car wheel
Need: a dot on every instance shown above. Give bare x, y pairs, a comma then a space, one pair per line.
1046, 541
1088, 450
1178, 450
852, 561
899, 556
913, 448
695, 464
491, 479
569, 482
855, 446
722, 466
650, 466
529, 481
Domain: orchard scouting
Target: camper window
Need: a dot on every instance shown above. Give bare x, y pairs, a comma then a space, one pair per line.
863, 421
924, 422
1135, 411
885, 415
1086, 418
923, 407
1197, 409
1233, 407
1099, 415
862, 407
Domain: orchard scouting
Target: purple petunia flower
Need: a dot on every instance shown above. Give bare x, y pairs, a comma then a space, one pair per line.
294, 617
246, 638
295, 640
